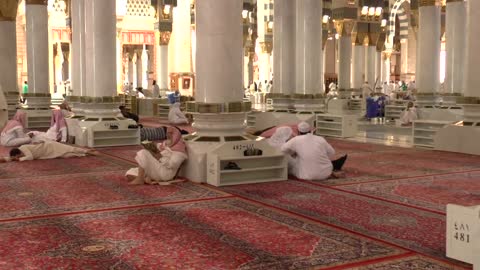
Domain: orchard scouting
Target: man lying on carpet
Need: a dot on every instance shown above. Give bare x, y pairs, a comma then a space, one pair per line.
281, 136
159, 167
310, 156
56, 132
47, 150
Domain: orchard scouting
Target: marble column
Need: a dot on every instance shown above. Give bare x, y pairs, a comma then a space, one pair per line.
428, 63
78, 48
219, 51
139, 69
386, 66
378, 67
162, 68
309, 47
8, 47
8, 59
284, 46
370, 52
472, 62
145, 70
455, 43
130, 68
100, 43
345, 56
403, 58
358, 66
37, 46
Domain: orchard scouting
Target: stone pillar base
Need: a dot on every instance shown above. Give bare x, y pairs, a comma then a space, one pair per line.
37, 101
449, 99
12, 103
280, 102
428, 99
309, 103
218, 120
471, 110
101, 124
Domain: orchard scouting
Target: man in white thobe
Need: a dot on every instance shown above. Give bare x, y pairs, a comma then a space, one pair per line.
310, 155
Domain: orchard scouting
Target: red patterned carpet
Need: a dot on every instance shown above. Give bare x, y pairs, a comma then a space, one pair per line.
432, 192
81, 214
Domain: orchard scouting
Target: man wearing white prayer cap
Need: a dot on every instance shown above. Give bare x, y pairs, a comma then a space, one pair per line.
311, 155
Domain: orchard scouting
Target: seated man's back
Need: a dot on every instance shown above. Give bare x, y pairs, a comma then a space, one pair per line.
312, 160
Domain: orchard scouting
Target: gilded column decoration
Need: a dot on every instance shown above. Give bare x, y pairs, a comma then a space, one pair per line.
426, 3
8, 10
267, 47
36, 2
165, 38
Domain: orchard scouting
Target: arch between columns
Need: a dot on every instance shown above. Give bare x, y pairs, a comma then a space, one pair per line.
397, 9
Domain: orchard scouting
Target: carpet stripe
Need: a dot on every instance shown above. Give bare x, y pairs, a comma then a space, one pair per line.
349, 231
372, 261
111, 209
372, 197
404, 178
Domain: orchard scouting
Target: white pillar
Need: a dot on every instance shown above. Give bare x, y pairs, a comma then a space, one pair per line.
250, 67
404, 57
345, 56
139, 69
386, 67
120, 59
428, 64
455, 43
358, 66
378, 67
219, 51
472, 78
100, 43
309, 47
145, 69
264, 67
37, 46
371, 52
162, 79
130, 68
8, 55
284, 46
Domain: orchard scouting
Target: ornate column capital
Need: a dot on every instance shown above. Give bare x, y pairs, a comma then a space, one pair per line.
8, 10
36, 2
344, 27
164, 38
453, 1
267, 47
426, 3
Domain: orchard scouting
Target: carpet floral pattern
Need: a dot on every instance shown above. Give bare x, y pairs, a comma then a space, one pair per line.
123, 152
183, 236
50, 167
404, 226
411, 263
432, 192
32, 196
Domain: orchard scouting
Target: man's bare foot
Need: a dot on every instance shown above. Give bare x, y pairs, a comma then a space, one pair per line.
131, 177
149, 181
136, 181
338, 174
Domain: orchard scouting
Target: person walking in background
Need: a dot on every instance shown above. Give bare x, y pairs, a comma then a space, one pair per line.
156, 89
25, 88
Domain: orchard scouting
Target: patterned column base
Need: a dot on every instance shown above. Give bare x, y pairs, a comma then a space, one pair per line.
471, 110
37, 101
219, 119
12, 103
309, 103
428, 99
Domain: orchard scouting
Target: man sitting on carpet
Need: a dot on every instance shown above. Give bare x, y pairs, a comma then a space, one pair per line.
47, 150
310, 156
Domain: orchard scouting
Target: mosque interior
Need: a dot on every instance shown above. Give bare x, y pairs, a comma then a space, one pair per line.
393, 84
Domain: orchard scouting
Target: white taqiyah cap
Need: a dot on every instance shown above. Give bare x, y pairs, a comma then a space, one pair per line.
303, 127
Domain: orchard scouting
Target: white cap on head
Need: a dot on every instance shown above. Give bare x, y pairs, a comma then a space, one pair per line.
303, 127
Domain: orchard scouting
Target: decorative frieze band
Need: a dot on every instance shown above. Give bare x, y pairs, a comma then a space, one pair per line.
8, 10
36, 2
426, 3
229, 107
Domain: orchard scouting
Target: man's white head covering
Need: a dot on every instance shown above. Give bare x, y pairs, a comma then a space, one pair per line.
281, 136
303, 127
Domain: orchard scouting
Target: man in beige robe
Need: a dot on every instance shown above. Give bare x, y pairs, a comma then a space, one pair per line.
48, 150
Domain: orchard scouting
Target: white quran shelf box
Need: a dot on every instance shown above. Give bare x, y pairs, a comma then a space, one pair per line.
463, 233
